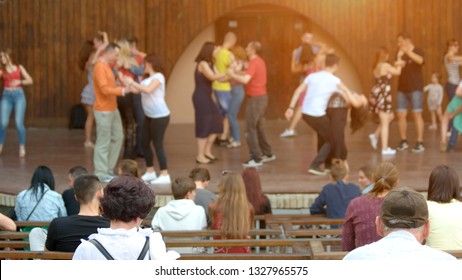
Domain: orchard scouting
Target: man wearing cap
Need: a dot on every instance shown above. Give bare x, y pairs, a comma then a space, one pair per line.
403, 223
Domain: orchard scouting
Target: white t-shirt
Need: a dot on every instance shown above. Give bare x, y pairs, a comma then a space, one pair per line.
154, 105
445, 225
321, 86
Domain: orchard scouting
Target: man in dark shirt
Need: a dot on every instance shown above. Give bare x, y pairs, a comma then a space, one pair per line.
410, 86
65, 233
72, 205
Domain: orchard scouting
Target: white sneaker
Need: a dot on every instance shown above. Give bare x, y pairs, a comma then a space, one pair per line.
388, 152
252, 163
373, 141
162, 180
149, 176
266, 158
288, 133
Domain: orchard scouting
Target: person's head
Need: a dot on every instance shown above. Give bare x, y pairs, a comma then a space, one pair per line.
75, 172
307, 38
365, 175
111, 53
129, 167
206, 52
85, 52
87, 187
339, 170
239, 53
436, 78
404, 39
332, 60
381, 55
200, 176
133, 41
443, 184
253, 48
127, 199
229, 40
5, 58
125, 58
253, 188
42, 176
452, 45
404, 208
153, 62
184, 188
98, 41
386, 177
232, 204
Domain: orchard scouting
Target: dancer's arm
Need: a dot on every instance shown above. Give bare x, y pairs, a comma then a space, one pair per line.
205, 69
27, 79
290, 111
417, 58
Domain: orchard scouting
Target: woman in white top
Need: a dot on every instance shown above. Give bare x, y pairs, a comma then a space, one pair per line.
156, 118
445, 209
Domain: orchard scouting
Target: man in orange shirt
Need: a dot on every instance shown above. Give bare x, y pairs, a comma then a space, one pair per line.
257, 101
109, 130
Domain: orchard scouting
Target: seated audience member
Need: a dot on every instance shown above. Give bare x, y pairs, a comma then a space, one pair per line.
445, 209
359, 226
6, 223
40, 202
403, 223
126, 201
204, 197
181, 213
334, 198
365, 178
128, 167
231, 213
260, 202
64, 233
72, 205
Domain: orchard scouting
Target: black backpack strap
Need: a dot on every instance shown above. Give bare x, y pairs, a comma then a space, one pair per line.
145, 249
101, 249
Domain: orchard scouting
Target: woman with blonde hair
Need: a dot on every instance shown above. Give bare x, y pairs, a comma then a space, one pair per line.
359, 227
232, 213
14, 78
380, 99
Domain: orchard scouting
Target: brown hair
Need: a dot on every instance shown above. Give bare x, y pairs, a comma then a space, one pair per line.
368, 171
85, 52
85, 187
156, 62
253, 189
206, 53
182, 186
381, 56
331, 60
338, 170
386, 177
239, 52
200, 174
443, 184
129, 167
127, 198
232, 205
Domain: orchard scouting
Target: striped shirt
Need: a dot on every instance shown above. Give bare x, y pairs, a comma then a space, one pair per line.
452, 69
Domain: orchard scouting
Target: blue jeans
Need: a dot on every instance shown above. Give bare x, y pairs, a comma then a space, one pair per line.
237, 96
451, 91
223, 99
13, 99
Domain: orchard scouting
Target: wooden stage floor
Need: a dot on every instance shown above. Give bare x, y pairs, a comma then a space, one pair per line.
61, 149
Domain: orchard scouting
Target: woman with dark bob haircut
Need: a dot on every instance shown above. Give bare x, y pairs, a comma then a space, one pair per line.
444, 209
126, 202
40, 202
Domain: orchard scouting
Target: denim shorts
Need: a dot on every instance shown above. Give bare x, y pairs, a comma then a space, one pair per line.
404, 98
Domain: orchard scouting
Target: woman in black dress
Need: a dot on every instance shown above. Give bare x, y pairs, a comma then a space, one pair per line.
208, 120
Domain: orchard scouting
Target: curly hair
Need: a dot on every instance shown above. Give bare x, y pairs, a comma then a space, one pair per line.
127, 198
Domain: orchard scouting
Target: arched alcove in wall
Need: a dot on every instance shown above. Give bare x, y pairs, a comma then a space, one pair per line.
180, 84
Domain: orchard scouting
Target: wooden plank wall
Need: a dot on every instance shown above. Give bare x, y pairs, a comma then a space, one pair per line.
46, 35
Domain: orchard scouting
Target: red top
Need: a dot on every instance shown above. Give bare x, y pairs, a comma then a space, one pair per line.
257, 71
359, 227
10, 77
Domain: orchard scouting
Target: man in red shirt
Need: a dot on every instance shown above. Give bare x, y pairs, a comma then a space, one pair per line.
255, 81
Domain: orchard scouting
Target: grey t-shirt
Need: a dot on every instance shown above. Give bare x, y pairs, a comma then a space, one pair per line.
204, 198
